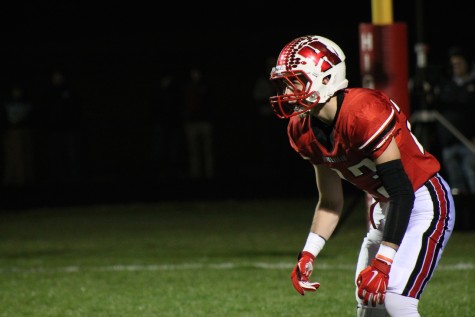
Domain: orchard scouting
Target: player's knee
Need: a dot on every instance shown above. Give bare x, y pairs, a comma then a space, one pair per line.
374, 236
368, 311
398, 305
372, 241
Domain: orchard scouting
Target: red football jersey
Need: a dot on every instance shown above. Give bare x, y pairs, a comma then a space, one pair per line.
366, 123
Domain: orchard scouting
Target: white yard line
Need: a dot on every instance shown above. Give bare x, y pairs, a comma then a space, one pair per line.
201, 266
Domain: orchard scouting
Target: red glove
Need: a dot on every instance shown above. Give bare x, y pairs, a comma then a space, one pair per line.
301, 273
373, 281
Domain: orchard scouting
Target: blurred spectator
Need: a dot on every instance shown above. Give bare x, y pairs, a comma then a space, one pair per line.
198, 126
455, 100
18, 167
168, 139
60, 118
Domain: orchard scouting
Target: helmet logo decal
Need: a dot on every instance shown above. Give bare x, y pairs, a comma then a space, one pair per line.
312, 50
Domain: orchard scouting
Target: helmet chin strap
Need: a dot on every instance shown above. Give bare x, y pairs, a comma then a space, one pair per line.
304, 114
313, 97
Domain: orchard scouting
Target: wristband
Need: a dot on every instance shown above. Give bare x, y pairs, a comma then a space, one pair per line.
386, 254
314, 243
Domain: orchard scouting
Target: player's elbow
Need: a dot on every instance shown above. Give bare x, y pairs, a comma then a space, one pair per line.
333, 205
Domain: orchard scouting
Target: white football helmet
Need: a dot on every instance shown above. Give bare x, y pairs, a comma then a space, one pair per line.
309, 71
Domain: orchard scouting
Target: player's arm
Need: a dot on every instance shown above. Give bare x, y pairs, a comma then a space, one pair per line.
372, 281
330, 202
326, 217
401, 193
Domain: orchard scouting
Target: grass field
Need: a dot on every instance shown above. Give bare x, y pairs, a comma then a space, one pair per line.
224, 258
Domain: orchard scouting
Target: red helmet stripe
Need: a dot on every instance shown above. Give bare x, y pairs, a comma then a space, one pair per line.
332, 57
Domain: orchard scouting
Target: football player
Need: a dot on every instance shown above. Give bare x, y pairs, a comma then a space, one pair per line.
360, 135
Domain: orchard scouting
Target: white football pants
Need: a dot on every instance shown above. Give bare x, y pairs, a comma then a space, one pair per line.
429, 229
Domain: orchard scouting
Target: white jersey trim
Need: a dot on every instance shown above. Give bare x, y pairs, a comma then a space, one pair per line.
378, 131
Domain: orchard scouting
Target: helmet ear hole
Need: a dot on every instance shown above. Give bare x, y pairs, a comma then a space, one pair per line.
326, 79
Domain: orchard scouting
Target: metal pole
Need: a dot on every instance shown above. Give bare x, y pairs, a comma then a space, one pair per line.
425, 116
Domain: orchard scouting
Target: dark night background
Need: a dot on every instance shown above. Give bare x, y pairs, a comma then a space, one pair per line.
114, 55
